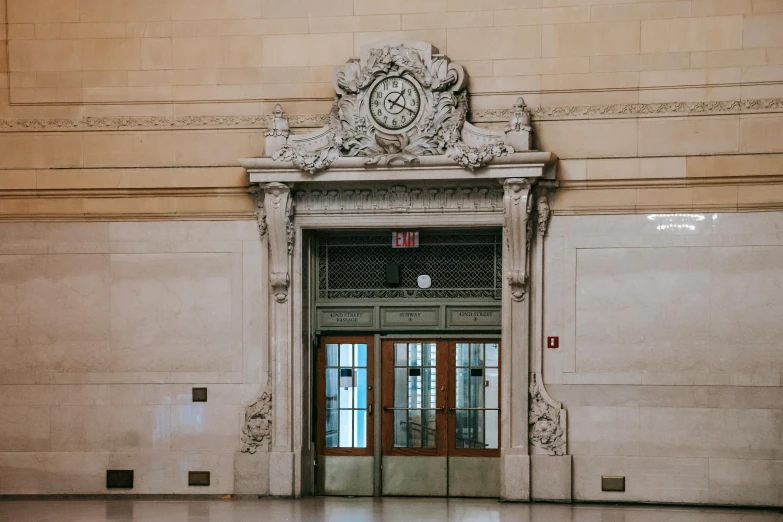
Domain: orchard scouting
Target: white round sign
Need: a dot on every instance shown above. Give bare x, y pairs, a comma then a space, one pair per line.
424, 281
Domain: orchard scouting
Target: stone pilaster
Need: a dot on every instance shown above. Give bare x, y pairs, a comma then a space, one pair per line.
515, 460
278, 205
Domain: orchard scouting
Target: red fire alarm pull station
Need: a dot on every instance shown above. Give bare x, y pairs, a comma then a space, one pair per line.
552, 342
405, 239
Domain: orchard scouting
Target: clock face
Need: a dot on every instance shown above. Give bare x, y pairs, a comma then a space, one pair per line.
395, 102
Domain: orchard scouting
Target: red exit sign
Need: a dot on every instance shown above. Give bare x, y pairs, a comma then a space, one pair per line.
405, 239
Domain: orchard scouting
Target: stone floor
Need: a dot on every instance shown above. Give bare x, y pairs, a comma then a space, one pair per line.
360, 510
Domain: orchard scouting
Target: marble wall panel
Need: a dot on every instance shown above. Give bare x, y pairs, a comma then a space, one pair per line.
711, 432
641, 306
743, 481
106, 328
174, 313
54, 313
747, 304
204, 427
603, 430
679, 480
24, 428
52, 473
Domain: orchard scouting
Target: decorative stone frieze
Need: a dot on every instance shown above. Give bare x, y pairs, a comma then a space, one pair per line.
257, 428
399, 198
546, 420
310, 121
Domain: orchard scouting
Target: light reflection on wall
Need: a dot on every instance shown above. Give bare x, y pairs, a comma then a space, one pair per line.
677, 222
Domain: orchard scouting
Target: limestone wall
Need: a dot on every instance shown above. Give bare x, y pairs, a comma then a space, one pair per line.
669, 360
112, 85
118, 111
105, 328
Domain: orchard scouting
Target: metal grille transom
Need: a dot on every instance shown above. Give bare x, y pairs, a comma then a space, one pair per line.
461, 266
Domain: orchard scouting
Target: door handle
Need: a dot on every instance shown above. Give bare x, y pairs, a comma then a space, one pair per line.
369, 410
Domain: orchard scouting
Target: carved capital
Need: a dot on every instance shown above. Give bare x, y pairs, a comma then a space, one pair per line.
517, 203
547, 420
258, 423
278, 206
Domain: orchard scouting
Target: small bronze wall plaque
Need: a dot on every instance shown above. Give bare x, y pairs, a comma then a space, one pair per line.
461, 316
119, 479
199, 395
198, 478
411, 317
612, 483
345, 317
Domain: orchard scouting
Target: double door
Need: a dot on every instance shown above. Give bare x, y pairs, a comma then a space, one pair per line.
409, 417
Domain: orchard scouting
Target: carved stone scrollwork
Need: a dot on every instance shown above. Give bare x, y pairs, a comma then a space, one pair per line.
258, 423
279, 281
544, 213
547, 420
435, 130
260, 212
519, 230
278, 206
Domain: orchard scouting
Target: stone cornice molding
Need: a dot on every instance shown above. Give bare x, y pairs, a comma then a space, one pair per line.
311, 121
633, 110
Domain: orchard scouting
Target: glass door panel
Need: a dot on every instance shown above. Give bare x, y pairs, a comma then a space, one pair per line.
414, 394
474, 420
344, 395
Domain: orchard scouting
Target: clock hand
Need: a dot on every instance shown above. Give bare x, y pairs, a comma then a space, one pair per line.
403, 106
394, 102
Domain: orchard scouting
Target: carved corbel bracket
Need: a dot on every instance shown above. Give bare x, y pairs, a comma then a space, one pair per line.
518, 204
278, 207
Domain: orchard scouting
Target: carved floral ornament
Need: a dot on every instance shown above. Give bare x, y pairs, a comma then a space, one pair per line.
437, 89
546, 420
257, 427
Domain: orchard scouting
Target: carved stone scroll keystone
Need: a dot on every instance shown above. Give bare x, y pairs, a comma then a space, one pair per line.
278, 206
518, 203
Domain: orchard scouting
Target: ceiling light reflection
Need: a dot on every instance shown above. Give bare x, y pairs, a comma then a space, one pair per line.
677, 222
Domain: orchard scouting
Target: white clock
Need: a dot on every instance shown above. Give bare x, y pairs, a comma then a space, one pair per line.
395, 102
424, 281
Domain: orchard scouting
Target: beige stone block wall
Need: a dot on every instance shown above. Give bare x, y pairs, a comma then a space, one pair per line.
205, 41
668, 361
110, 327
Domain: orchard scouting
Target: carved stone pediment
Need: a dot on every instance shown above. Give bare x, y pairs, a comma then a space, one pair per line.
398, 102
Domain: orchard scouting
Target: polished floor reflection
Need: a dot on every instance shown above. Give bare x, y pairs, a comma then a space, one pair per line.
360, 510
